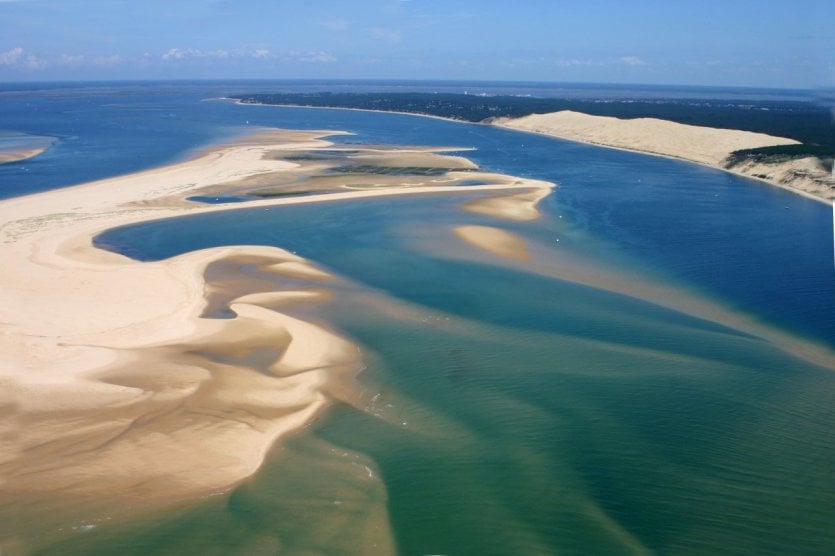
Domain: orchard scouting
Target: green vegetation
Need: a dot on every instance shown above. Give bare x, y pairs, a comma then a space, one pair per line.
391, 170
783, 153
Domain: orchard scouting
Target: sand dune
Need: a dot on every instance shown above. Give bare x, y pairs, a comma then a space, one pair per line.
704, 145
699, 144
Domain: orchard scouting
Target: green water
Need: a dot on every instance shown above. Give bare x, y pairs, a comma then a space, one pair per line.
502, 440
506, 412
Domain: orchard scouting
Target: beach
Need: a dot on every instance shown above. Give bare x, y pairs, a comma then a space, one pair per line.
703, 145
116, 381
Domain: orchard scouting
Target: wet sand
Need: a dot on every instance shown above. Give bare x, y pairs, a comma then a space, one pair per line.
16, 146
494, 240
20, 154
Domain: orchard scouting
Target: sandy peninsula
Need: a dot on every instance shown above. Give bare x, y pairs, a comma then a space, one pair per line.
704, 145
114, 379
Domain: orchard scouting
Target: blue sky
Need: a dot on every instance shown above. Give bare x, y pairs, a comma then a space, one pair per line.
749, 43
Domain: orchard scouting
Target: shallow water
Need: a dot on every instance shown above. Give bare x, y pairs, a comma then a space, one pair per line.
518, 413
507, 411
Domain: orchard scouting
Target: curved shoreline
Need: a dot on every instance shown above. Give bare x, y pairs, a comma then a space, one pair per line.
117, 383
239, 102
514, 124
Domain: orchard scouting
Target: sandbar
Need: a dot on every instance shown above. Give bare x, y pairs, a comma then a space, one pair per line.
494, 240
116, 380
19, 154
16, 146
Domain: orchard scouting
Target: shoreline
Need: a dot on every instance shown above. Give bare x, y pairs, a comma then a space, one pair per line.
506, 123
123, 388
239, 102
772, 183
502, 124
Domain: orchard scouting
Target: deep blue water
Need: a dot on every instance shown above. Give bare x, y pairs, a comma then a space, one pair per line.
107, 129
760, 248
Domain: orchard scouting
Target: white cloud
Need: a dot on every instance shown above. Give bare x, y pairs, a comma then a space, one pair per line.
11, 57
632, 61
32, 62
189, 53
260, 53
314, 56
574, 63
112, 60
16, 57
71, 59
175, 54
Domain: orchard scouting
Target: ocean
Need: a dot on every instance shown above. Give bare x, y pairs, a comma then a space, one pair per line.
509, 409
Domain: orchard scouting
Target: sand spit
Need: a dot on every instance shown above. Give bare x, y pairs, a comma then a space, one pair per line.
518, 206
704, 145
158, 381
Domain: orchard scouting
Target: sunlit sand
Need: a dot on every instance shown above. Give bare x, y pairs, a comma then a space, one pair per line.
118, 381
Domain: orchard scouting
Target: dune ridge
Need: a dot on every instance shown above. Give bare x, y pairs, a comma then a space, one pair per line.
704, 145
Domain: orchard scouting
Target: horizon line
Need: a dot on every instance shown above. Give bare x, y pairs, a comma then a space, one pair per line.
418, 81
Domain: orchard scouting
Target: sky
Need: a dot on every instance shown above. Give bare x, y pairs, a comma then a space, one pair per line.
763, 43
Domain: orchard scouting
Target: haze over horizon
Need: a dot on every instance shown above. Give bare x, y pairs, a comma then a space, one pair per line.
751, 44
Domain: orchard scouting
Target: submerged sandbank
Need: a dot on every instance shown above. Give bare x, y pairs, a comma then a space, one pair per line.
704, 145
570, 266
15, 146
494, 240
120, 382
19, 154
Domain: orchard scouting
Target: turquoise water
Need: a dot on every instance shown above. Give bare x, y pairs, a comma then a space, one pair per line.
532, 415
509, 411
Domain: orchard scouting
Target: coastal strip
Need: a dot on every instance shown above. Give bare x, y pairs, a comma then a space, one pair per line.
118, 378
718, 148
703, 145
